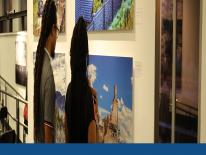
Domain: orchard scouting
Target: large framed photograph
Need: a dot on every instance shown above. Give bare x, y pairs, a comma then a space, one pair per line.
112, 79
38, 7
102, 15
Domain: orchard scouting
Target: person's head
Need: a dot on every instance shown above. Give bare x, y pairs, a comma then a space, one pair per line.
81, 106
79, 49
48, 36
50, 30
51, 40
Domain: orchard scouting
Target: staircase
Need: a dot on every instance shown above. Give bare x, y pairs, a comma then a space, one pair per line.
186, 122
8, 92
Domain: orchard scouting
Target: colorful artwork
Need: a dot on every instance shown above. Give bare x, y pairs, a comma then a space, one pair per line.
38, 7
106, 15
21, 62
59, 71
112, 79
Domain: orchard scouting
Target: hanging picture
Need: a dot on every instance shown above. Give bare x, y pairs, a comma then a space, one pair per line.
21, 62
59, 72
112, 78
106, 14
38, 7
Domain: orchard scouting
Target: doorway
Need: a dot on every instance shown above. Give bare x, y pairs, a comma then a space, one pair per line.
177, 71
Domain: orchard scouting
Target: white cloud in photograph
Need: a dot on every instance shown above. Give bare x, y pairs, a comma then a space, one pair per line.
105, 88
92, 73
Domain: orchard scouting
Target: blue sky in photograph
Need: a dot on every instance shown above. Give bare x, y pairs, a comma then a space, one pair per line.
111, 71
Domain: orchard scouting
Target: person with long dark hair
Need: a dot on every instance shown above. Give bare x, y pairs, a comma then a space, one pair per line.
44, 86
80, 120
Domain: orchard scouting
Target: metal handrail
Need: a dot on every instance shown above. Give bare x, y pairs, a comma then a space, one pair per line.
19, 99
178, 104
188, 106
14, 119
14, 97
17, 119
14, 15
7, 83
187, 112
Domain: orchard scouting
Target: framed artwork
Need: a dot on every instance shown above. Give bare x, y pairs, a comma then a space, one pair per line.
112, 78
21, 62
106, 15
59, 71
38, 7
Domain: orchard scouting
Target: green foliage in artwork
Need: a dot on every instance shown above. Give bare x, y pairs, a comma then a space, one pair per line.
35, 15
124, 20
97, 4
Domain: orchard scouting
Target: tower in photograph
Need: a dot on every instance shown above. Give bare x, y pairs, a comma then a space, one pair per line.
114, 113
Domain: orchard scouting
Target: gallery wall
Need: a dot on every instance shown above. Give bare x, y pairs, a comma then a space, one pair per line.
7, 71
202, 97
138, 44
7, 63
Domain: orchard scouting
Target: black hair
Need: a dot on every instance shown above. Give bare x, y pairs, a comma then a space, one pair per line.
49, 18
79, 109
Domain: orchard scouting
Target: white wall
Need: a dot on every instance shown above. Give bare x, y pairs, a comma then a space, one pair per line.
7, 71
139, 44
202, 124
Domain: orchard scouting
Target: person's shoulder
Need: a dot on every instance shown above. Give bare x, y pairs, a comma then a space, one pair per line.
47, 68
47, 77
